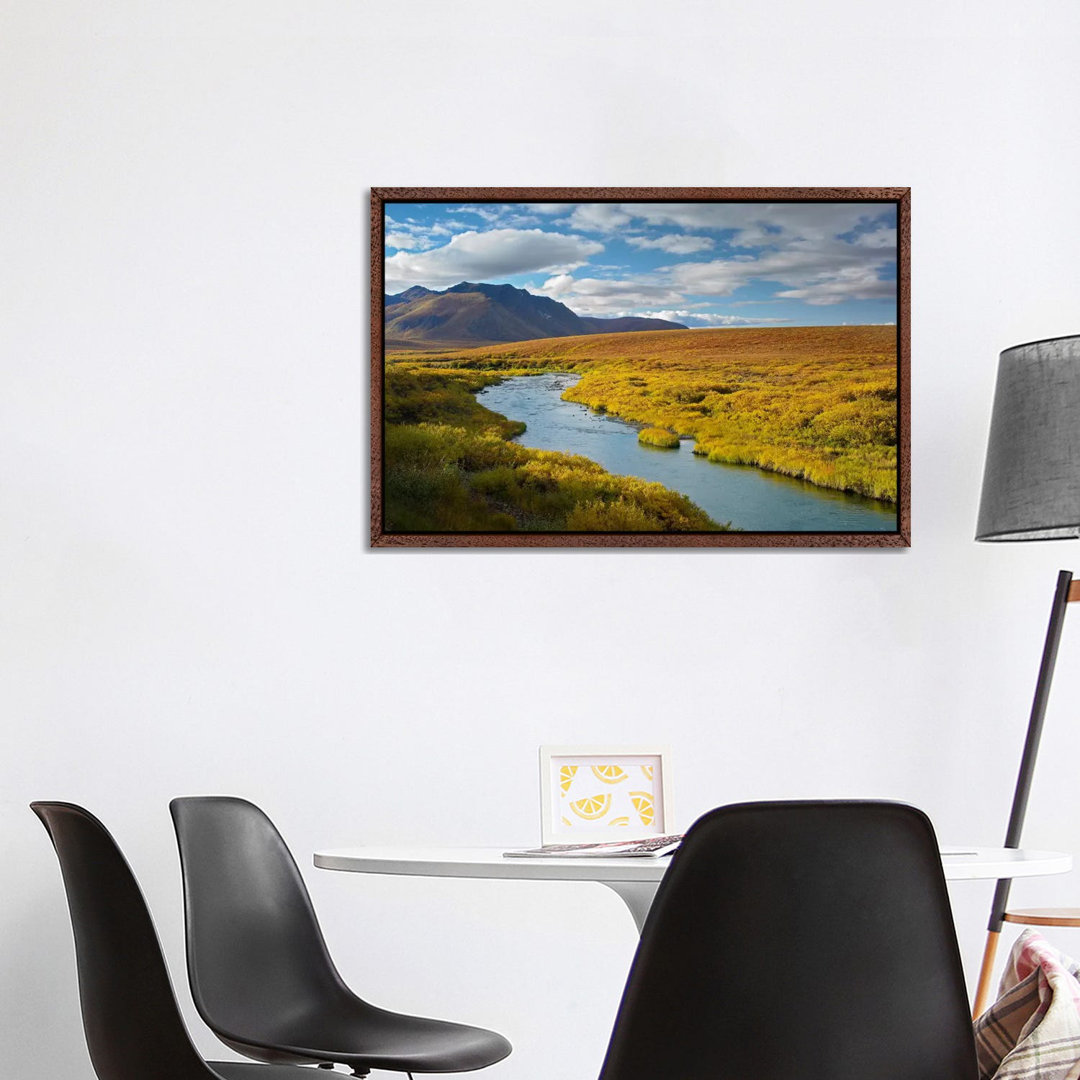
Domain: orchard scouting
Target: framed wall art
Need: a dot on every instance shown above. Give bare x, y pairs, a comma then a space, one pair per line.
596, 793
723, 367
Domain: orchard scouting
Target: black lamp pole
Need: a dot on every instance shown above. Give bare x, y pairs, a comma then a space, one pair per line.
1031, 491
1023, 779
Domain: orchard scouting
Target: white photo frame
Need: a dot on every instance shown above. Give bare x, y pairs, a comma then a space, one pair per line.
590, 794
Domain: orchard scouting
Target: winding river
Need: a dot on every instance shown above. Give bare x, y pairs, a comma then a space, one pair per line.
749, 498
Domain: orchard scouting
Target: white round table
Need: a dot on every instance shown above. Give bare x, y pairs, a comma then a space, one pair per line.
636, 879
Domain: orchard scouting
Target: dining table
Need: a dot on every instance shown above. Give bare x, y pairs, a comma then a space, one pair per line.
635, 879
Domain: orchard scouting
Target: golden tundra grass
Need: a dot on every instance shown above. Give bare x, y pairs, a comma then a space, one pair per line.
448, 466
819, 403
659, 437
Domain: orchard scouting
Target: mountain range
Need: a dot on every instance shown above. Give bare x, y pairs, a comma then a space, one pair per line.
470, 314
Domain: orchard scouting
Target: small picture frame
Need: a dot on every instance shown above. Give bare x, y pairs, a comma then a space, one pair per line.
590, 794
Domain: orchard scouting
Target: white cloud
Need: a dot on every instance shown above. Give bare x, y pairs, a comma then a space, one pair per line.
693, 319
557, 286
879, 238
599, 217
802, 248
850, 283
488, 213
673, 243
409, 235
498, 253
405, 241
720, 277
608, 296
766, 221
503, 215
796, 248
773, 226
816, 271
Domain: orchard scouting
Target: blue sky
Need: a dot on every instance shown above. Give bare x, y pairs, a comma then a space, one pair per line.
702, 264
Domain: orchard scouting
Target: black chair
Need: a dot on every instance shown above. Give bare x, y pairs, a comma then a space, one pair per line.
798, 941
258, 966
133, 1026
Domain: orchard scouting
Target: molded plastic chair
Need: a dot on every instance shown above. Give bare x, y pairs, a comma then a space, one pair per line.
133, 1026
259, 969
798, 941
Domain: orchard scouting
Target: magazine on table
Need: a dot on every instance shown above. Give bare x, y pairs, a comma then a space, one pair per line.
649, 847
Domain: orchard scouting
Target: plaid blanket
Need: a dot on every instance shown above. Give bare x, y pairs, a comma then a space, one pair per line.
1032, 1031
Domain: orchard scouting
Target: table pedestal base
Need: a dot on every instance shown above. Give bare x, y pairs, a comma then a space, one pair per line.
637, 896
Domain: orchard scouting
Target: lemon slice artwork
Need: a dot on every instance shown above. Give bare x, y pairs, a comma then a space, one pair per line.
592, 808
566, 777
610, 774
643, 804
624, 820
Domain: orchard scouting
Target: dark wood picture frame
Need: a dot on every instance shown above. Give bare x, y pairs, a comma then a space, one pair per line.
900, 197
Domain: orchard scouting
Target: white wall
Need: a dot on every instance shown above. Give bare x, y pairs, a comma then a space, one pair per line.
187, 603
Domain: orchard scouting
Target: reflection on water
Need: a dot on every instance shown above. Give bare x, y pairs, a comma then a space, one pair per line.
749, 498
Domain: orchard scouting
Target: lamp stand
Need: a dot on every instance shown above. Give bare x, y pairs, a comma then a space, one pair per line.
1066, 591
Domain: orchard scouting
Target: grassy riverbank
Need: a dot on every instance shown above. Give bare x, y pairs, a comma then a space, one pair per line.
449, 467
817, 403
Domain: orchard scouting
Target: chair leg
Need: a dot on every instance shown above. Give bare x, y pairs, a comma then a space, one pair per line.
982, 993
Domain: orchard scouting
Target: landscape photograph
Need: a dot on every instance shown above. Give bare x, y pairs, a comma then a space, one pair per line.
639, 368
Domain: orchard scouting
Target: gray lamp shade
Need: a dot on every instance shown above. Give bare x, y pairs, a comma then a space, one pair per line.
1031, 485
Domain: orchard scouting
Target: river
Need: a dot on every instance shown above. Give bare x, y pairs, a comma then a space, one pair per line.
750, 499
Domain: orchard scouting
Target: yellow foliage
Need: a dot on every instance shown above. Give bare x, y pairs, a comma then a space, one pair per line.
658, 436
441, 478
818, 403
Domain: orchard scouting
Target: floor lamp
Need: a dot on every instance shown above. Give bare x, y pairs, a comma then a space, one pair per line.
1031, 491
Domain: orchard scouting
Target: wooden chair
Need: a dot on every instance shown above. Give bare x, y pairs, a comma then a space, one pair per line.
1050, 916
